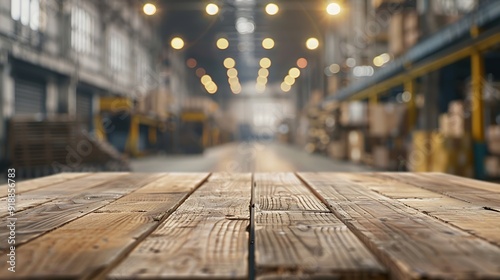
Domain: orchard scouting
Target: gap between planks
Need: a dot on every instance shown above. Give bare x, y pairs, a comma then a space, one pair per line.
94, 264
431, 250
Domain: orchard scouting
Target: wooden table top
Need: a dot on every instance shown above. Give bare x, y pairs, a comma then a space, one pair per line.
246, 226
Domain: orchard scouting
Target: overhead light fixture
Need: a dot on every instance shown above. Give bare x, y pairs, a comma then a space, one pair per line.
149, 9
229, 63
289, 80
285, 87
191, 63
222, 43
232, 73
268, 43
212, 9
302, 63
177, 43
333, 9
294, 72
245, 26
206, 79
265, 62
263, 72
334, 68
312, 43
272, 9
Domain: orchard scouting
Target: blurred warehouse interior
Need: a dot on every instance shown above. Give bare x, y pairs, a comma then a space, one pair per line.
397, 84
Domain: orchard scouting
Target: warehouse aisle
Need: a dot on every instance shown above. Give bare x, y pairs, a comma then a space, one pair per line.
245, 157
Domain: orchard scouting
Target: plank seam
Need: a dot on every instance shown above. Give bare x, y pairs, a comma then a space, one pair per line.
102, 274
47, 185
356, 232
72, 220
251, 239
444, 221
56, 198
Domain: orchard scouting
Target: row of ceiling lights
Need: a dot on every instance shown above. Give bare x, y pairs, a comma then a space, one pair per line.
268, 43
271, 9
232, 75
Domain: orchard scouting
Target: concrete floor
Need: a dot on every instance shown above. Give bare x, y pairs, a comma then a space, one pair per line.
245, 157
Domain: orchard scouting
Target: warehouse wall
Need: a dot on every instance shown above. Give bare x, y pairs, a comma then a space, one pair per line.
55, 51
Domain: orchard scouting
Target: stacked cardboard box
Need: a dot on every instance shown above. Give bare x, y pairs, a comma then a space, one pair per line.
355, 147
411, 30
338, 149
455, 122
492, 166
419, 155
403, 32
353, 114
387, 119
451, 155
492, 162
493, 139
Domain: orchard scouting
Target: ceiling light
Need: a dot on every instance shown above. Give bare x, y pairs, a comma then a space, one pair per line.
245, 26
265, 62
229, 63
294, 72
285, 87
149, 9
272, 9
212, 9
289, 80
206, 79
268, 43
312, 43
263, 72
333, 9
231, 73
222, 43
177, 43
334, 68
302, 63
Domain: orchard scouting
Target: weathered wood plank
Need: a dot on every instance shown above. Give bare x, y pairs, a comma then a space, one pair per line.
476, 196
463, 181
46, 194
43, 218
89, 246
464, 215
411, 244
307, 242
205, 237
283, 191
28, 185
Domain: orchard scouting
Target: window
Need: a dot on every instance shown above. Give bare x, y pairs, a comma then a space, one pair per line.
83, 30
118, 51
27, 12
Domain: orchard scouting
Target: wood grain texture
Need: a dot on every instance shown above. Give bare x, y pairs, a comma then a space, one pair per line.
87, 247
205, 237
476, 220
28, 185
283, 191
59, 190
476, 196
301, 239
411, 244
43, 218
462, 181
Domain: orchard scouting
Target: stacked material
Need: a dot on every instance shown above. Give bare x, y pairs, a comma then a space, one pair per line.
59, 145
492, 162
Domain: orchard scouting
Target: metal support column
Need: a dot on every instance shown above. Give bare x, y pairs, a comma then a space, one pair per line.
133, 138
477, 108
409, 87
